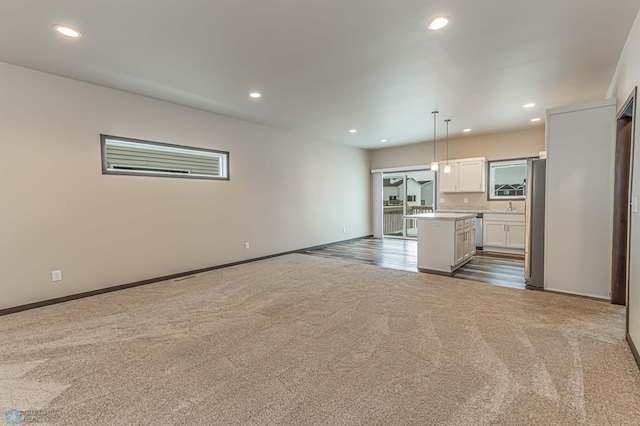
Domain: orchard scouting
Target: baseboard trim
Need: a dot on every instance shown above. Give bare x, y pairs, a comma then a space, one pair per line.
634, 350
435, 272
76, 296
582, 296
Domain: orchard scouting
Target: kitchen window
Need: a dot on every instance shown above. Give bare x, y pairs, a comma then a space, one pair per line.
125, 156
507, 179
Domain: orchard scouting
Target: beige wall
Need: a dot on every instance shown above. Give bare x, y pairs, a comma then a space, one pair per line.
59, 212
497, 146
626, 78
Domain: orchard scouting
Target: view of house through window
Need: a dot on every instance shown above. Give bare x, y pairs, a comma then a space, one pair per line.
507, 179
405, 193
126, 156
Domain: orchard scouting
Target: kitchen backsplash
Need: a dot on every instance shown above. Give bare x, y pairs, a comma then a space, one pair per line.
475, 201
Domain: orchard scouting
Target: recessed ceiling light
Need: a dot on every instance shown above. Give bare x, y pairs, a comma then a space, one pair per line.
466, 130
353, 131
529, 105
536, 119
67, 31
438, 22
383, 140
255, 95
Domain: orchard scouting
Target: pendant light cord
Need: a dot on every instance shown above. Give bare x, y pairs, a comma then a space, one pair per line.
447, 121
435, 113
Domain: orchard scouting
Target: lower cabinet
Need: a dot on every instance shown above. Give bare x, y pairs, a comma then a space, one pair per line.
503, 233
465, 240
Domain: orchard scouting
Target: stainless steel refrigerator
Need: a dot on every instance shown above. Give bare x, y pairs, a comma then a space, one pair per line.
534, 222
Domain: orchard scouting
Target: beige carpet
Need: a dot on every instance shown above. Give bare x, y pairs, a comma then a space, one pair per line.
305, 340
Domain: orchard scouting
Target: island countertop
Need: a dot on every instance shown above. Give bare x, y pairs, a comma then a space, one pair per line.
441, 216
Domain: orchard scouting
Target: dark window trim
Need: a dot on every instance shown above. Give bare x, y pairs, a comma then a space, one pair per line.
105, 171
489, 198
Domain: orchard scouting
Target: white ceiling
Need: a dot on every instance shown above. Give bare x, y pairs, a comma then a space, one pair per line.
327, 66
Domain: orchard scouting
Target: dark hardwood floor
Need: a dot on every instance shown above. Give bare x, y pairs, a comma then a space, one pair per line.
504, 270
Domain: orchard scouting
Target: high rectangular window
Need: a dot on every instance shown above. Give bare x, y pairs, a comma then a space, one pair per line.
125, 156
508, 179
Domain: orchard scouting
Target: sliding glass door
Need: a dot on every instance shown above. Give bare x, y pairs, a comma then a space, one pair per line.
406, 193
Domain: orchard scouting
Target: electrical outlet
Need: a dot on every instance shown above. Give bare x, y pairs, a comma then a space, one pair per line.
56, 275
344, 230
442, 200
246, 245
466, 200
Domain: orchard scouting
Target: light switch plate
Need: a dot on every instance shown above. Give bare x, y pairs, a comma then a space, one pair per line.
56, 275
634, 204
466, 200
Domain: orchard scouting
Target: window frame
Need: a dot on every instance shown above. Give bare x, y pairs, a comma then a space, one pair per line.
491, 187
224, 163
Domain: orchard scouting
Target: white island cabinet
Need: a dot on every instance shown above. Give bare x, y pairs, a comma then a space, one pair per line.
446, 241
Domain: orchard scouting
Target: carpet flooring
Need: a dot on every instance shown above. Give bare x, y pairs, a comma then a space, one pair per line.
299, 339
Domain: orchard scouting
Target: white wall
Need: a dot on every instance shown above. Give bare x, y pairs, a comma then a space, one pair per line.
579, 199
497, 146
59, 212
626, 78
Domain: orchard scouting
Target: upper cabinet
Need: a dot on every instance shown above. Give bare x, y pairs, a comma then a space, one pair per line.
449, 181
467, 175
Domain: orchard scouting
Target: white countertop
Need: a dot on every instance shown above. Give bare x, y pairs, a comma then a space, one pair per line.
504, 212
442, 216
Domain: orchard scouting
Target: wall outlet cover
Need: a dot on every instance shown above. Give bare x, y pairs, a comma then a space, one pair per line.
246, 245
442, 200
56, 275
466, 200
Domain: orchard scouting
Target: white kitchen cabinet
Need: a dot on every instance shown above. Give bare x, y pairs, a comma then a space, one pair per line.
446, 241
449, 181
503, 232
460, 246
465, 239
471, 176
515, 235
471, 239
467, 175
494, 234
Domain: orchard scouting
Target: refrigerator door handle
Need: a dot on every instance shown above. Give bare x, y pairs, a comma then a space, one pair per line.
527, 221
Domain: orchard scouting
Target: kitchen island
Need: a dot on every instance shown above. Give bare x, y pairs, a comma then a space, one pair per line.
446, 241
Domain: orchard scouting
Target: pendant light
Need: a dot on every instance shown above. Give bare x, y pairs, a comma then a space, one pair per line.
447, 167
434, 163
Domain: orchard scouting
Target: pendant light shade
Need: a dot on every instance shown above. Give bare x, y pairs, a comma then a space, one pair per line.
434, 163
447, 167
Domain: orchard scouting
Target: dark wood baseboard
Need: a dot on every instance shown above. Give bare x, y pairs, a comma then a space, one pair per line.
76, 296
532, 287
434, 272
595, 299
634, 350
